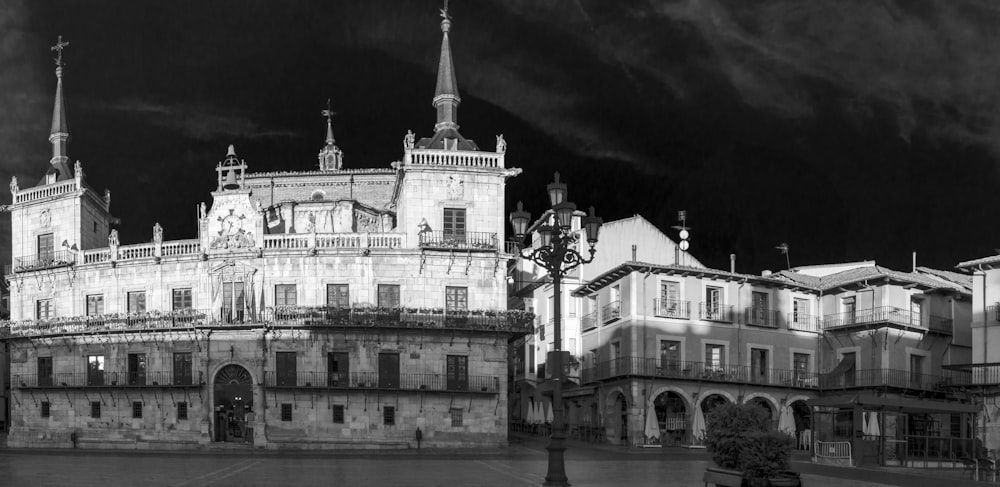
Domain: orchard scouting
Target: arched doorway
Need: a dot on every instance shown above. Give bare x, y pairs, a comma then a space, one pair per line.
622, 405
233, 390
670, 413
803, 425
766, 406
711, 402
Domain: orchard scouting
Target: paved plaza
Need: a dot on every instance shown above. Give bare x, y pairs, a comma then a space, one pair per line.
522, 464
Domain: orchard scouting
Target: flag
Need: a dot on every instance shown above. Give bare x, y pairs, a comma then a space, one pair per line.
274, 222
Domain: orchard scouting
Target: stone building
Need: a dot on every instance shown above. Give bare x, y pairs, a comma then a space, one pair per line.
361, 308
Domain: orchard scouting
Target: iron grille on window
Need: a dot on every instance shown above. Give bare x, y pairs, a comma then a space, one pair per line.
456, 416
95, 409
338, 414
182, 410
286, 412
136, 409
389, 415
45, 409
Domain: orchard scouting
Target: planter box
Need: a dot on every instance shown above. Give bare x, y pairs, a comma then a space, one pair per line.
722, 477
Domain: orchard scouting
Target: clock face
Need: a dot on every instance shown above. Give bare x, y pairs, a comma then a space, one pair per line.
231, 223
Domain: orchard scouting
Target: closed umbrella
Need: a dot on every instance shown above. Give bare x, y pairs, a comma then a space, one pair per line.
533, 413
548, 413
873, 428
786, 422
652, 425
698, 426
866, 424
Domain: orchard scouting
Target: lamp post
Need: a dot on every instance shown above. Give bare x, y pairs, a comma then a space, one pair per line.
556, 255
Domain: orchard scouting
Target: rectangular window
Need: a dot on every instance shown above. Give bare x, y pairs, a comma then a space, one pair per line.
454, 224
916, 311
541, 332
800, 365
286, 412
338, 414
44, 371
458, 372
670, 356
759, 311
95, 409
285, 368
713, 303
849, 374
388, 370
95, 305
46, 248
182, 410
338, 369
181, 299
46, 409
43, 309
456, 417
95, 370
850, 309
182, 368
388, 295
670, 300
759, 366
800, 311
389, 415
137, 409
456, 299
234, 301
916, 370
284, 295
137, 302
136, 369
715, 356
337, 296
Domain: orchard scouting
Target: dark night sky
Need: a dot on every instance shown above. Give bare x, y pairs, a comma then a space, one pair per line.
849, 130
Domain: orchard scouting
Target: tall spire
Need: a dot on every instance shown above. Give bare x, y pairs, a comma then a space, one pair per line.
59, 135
331, 158
446, 97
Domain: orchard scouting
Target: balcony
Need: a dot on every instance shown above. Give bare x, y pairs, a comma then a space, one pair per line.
334, 241
761, 317
588, 321
672, 308
47, 260
900, 379
459, 241
104, 379
803, 322
509, 321
475, 384
716, 312
611, 311
976, 374
886, 315
699, 371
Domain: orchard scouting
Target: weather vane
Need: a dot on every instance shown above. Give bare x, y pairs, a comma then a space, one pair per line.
328, 113
60, 45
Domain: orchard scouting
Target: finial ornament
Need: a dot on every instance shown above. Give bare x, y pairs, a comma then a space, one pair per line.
501, 144
13, 185
408, 139
446, 18
157, 233
60, 45
328, 113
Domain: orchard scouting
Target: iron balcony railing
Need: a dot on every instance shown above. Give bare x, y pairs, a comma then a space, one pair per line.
115, 379
459, 240
672, 308
702, 371
716, 312
762, 317
978, 374
46, 260
902, 379
375, 380
589, 321
887, 314
511, 321
611, 311
803, 322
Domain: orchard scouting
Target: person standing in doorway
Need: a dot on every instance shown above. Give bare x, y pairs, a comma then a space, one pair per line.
248, 426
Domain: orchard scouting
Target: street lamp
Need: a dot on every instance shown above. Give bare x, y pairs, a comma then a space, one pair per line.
555, 254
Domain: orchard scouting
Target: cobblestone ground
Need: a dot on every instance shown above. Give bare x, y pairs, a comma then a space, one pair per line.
522, 464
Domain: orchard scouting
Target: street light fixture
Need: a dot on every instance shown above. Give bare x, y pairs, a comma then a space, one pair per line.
555, 254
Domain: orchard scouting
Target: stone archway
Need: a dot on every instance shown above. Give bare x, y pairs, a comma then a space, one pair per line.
803, 425
233, 400
671, 412
764, 404
712, 401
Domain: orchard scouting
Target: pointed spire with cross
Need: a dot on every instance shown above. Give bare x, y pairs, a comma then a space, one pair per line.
329, 113
58, 48
59, 134
331, 158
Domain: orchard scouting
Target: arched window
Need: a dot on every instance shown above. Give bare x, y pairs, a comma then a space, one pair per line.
318, 196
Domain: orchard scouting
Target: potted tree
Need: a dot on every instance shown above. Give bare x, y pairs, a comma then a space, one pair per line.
745, 450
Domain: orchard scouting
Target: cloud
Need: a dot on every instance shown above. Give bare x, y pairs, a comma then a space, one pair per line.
198, 122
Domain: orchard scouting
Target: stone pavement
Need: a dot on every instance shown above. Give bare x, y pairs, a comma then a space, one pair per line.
522, 464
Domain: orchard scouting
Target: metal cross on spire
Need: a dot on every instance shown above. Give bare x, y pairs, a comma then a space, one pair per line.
60, 45
328, 113
444, 11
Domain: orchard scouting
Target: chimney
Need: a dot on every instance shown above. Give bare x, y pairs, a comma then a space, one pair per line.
914, 262
765, 273
732, 263
633, 252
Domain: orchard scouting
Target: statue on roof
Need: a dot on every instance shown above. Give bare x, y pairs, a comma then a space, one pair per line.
408, 139
113, 239
13, 185
501, 144
157, 233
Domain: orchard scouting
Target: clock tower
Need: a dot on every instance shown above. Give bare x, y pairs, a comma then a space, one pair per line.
233, 224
